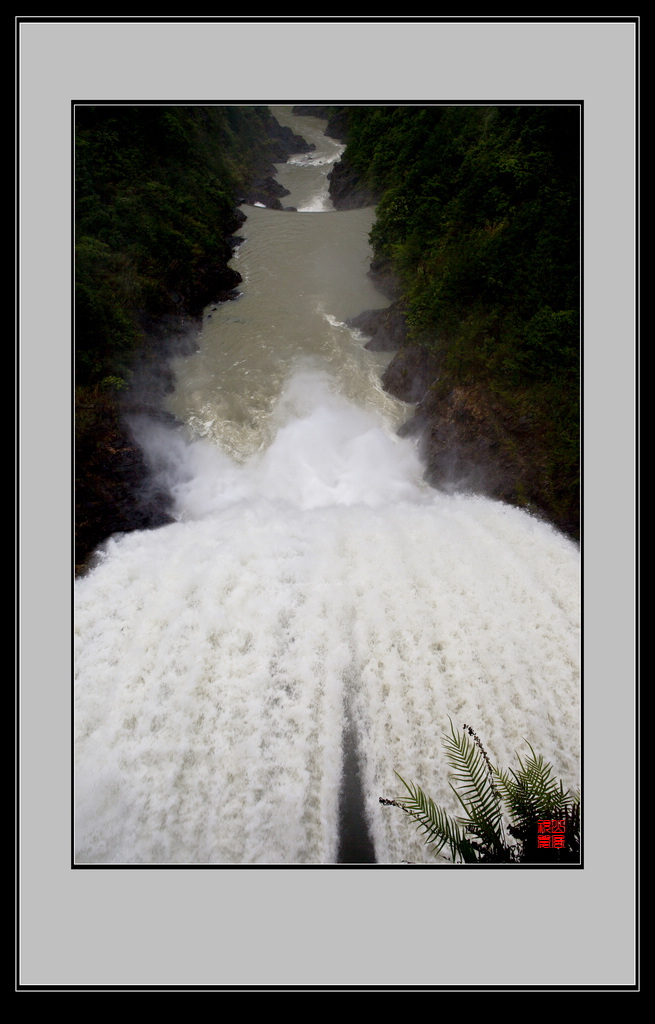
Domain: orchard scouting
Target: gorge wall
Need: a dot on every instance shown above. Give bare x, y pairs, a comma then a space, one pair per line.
501, 442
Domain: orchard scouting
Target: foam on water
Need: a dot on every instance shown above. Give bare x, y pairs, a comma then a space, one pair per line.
317, 585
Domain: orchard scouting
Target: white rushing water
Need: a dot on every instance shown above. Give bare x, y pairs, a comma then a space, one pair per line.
312, 595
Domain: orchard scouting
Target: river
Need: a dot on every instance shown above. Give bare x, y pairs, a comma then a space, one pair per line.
248, 677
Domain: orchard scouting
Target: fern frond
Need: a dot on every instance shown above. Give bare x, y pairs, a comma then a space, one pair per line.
533, 792
438, 827
473, 775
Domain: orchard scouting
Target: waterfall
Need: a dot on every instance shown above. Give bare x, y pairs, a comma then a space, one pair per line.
248, 678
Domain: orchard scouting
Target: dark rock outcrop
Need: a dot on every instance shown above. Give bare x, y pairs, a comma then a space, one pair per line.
267, 192
387, 328
213, 284
347, 190
410, 374
283, 142
264, 189
337, 126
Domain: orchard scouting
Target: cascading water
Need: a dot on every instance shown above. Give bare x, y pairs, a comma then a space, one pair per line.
249, 677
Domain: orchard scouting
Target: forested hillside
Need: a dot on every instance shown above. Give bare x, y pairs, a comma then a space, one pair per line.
478, 216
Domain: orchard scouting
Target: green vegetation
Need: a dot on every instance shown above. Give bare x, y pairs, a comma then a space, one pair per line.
488, 797
479, 215
155, 191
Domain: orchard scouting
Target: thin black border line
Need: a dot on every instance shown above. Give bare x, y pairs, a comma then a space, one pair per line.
332, 990
523, 19
320, 866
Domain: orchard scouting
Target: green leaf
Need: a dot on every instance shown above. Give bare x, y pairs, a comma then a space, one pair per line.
439, 827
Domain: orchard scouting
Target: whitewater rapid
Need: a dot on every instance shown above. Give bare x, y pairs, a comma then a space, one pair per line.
219, 659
